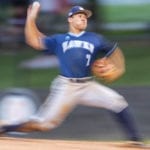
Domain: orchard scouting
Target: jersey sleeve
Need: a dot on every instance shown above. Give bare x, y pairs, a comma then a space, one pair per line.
107, 47
50, 44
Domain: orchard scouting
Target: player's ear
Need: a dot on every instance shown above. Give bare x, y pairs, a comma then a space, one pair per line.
69, 19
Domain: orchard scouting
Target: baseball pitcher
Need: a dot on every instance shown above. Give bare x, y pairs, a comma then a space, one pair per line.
77, 52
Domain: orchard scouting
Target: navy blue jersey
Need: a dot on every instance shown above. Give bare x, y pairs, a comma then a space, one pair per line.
76, 53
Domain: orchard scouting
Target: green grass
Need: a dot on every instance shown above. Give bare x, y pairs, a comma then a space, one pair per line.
126, 13
137, 67
12, 75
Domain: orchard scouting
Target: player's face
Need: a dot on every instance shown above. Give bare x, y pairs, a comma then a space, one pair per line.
77, 22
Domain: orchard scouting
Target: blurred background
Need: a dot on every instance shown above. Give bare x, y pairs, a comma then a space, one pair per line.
21, 67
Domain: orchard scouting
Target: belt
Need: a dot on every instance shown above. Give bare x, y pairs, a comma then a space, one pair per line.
80, 80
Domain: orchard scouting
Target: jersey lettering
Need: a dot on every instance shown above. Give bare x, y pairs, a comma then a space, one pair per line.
67, 45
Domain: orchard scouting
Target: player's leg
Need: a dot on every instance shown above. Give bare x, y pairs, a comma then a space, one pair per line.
59, 103
98, 95
127, 121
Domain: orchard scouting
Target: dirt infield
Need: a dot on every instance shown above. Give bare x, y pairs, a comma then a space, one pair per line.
7, 143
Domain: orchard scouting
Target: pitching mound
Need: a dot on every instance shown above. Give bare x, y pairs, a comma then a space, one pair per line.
7, 143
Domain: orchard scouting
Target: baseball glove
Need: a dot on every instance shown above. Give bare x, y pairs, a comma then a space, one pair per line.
109, 68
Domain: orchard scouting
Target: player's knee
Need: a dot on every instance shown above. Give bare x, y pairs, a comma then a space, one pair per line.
123, 104
119, 104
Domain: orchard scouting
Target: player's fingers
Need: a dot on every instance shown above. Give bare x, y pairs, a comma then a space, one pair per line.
33, 10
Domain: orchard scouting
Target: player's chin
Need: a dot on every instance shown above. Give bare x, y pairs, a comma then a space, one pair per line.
83, 27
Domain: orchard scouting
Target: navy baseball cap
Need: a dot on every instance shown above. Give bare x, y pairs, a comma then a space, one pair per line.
78, 9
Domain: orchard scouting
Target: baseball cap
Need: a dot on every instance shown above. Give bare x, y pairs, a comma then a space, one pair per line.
79, 9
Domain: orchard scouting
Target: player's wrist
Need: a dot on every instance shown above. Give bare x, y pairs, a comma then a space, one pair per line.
31, 18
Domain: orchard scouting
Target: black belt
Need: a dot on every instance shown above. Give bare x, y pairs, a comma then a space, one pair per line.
76, 80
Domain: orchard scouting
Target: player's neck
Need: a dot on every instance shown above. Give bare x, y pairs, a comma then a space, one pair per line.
77, 34
75, 31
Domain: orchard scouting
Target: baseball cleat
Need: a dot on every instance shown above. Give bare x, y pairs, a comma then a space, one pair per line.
137, 144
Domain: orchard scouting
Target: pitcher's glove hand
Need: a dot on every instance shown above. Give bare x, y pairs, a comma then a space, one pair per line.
103, 69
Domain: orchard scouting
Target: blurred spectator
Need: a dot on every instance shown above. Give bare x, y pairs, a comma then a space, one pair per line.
48, 6
54, 6
12, 30
19, 12
52, 11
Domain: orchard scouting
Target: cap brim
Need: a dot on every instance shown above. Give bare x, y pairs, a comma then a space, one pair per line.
88, 13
